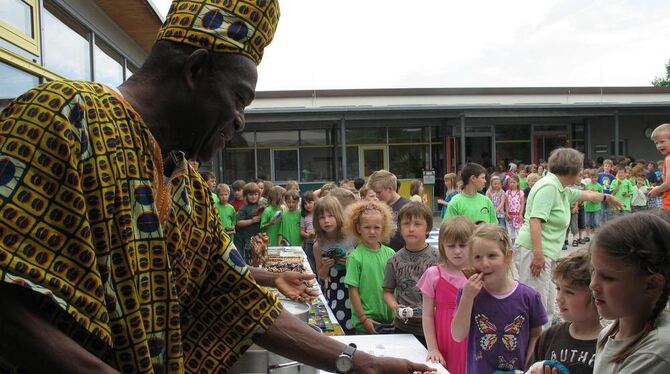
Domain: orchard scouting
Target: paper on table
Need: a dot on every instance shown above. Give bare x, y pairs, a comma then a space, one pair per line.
395, 345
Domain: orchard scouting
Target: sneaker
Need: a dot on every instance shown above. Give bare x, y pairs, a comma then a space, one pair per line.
565, 245
575, 243
587, 239
582, 241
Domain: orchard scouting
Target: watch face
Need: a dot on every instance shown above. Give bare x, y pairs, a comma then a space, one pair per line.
343, 363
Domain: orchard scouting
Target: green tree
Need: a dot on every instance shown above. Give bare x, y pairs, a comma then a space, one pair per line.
663, 81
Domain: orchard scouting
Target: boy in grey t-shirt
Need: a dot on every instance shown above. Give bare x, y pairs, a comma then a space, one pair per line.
406, 267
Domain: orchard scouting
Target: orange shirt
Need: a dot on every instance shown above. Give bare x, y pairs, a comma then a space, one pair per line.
666, 194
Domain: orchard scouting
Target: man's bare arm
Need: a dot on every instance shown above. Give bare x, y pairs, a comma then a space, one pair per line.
293, 339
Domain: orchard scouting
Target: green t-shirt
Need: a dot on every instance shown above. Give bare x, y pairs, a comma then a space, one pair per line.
477, 208
290, 227
523, 183
215, 198
624, 192
590, 206
549, 201
271, 230
227, 214
365, 270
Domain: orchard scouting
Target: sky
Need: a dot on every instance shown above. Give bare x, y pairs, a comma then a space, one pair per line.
329, 44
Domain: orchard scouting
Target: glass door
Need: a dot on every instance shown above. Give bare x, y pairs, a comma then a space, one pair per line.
285, 162
453, 154
372, 158
544, 144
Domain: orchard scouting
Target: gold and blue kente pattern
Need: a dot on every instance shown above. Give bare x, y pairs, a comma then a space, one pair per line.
80, 225
243, 27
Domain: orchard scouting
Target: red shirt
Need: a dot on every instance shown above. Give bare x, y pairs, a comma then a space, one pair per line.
237, 204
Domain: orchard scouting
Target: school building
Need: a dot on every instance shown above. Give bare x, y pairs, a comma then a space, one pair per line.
96, 40
328, 135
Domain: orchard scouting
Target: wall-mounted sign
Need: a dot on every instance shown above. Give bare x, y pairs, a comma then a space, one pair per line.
602, 148
429, 177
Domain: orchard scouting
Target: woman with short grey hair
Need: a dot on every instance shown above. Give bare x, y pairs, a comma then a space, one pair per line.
547, 217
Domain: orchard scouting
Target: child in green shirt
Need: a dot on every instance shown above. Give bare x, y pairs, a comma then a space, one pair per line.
470, 203
226, 211
272, 215
592, 210
289, 229
523, 177
369, 223
622, 188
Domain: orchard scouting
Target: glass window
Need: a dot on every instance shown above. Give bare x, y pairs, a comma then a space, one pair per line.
66, 45
438, 133
263, 164
286, 164
578, 131
366, 136
373, 158
512, 132
549, 128
18, 15
316, 164
108, 65
517, 152
276, 138
407, 135
130, 69
315, 137
238, 164
244, 140
352, 162
407, 161
15, 81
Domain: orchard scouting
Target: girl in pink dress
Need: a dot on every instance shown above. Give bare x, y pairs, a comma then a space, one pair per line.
514, 208
439, 285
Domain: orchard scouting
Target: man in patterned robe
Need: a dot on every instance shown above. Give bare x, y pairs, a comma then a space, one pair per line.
112, 256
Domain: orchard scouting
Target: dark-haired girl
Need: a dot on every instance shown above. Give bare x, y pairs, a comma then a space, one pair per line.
631, 266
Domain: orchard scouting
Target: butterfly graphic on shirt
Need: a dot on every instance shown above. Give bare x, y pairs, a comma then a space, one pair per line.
503, 364
490, 332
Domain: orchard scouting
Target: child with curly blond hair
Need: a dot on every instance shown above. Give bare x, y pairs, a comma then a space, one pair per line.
369, 223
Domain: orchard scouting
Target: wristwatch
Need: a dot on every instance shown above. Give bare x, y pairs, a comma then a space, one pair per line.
344, 362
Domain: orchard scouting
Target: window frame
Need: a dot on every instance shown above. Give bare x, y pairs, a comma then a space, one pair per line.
18, 38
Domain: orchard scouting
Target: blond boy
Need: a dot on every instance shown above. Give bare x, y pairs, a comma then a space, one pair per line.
661, 138
384, 184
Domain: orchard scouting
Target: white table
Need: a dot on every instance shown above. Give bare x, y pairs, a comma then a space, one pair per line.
393, 345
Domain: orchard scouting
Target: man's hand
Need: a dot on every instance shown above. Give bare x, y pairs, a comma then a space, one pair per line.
537, 265
388, 365
296, 286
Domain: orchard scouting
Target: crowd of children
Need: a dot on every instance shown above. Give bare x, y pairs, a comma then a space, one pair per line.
463, 300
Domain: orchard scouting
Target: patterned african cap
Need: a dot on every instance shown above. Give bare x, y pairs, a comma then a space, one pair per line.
226, 26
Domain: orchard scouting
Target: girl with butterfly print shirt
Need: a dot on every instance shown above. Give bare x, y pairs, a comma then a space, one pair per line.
501, 317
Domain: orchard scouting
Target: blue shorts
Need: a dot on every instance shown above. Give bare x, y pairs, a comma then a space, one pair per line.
592, 219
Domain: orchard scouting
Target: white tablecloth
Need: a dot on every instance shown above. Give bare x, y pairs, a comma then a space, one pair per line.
394, 345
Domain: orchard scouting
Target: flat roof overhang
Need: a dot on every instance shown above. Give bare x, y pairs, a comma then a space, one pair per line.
138, 18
